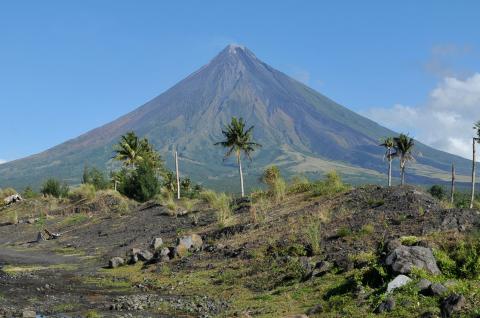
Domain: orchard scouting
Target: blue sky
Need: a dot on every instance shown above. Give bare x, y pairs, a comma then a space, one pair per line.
67, 67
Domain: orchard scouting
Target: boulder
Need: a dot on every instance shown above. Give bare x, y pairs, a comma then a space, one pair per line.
181, 250
156, 243
321, 268
12, 199
423, 284
451, 304
386, 306
144, 255
404, 258
133, 255
436, 289
29, 314
164, 254
315, 310
191, 242
40, 237
116, 262
397, 282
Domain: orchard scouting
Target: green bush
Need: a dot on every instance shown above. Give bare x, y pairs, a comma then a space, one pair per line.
54, 188
141, 184
96, 178
28, 193
447, 265
437, 191
83, 192
461, 259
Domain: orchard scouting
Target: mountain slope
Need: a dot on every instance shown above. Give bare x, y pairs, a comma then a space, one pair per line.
300, 129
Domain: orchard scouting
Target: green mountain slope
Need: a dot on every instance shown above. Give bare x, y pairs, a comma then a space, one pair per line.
300, 129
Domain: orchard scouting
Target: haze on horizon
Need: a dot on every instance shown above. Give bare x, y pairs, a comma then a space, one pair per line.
70, 67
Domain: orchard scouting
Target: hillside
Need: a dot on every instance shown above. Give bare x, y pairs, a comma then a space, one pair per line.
301, 130
320, 251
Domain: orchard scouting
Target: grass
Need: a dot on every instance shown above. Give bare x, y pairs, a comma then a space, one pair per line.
220, 203
17, 269
74, 219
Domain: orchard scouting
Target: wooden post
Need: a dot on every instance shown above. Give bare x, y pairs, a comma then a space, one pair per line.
452, 193
178, 176
473, 174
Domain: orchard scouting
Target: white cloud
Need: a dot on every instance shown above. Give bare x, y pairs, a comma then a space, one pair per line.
2, 161
445, 121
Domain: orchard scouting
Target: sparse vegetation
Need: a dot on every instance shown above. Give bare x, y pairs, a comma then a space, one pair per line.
221, 203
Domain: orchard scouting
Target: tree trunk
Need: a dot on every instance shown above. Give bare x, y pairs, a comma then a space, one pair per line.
241, 175
389, 167
473, 174
178, 175
452, 192
402, 173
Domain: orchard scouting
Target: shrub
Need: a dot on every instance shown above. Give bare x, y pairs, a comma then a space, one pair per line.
332, 184
437, 191
28, 193
220, 203
462, 258
447, 265
54, 188
276, 184
313, 234
141, 184
114, 201
300, 185
258, 208
409, 240
83, 192
367, 229
96, 178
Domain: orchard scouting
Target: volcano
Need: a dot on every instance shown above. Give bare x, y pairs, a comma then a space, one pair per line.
301, 130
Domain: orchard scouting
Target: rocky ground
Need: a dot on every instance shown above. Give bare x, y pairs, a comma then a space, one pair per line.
365, 252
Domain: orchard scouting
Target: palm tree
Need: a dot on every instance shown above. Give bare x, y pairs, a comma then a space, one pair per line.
238, 141
475, 140
403, 146
131, 149
389, 145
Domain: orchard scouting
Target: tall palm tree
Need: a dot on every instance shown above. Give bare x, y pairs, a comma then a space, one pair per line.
389, 145
238, 140
475, 140
131, 150
403, 150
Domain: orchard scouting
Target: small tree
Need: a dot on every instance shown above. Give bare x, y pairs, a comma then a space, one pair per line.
95, 177
54, 188
437, 191
389, 144
238, 140
141, 184
404, 147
